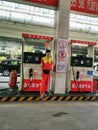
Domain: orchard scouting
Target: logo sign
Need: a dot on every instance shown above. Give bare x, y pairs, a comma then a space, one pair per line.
35, 75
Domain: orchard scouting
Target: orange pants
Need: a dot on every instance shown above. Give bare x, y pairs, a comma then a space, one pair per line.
45, 82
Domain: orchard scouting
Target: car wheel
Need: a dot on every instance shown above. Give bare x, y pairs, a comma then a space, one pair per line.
6, 73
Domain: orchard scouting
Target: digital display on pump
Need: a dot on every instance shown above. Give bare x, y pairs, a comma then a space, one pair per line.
34, 58
81, 61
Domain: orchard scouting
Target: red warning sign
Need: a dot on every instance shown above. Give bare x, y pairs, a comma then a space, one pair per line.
62, 44
61, 54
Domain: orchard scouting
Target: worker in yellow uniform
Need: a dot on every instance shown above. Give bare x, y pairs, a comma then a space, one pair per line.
46, 67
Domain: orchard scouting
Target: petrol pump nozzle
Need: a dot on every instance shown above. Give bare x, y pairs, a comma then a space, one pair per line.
30, 77
30, 73
77, 75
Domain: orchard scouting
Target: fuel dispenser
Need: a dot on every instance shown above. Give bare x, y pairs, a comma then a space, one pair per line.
80, 66
33, 49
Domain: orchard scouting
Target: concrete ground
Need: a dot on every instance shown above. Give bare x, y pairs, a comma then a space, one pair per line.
49, 115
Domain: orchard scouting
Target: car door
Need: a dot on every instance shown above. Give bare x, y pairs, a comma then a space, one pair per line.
5, 65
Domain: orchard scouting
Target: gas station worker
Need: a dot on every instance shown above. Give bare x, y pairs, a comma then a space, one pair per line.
46, 67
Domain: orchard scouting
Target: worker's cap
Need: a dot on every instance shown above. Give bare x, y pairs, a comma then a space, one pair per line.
48, 50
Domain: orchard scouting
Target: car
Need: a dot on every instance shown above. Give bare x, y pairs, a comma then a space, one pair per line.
6, 66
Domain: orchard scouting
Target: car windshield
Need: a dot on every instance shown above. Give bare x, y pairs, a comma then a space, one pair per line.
14, 62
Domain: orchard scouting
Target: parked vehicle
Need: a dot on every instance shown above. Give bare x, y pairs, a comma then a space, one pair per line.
6, 66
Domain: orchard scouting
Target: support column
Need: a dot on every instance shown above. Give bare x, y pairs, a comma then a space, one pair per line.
61, 45
91, 52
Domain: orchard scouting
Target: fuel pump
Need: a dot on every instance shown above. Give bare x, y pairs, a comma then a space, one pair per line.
80, 66
33, 49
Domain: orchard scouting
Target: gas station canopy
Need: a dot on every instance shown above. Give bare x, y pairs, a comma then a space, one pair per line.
88, 7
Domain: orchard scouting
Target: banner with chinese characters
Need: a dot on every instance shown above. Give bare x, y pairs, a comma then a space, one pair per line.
83, 86
85, 6
31, 85
62, 48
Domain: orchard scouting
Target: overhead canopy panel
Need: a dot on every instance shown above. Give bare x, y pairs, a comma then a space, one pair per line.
53, 3
84, 6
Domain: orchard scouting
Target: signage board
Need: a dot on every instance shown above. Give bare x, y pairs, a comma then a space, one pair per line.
83, 86
62, 47
89, 43
85, 6
33, 85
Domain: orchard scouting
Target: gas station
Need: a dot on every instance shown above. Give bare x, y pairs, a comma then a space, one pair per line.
69, 30
79, 69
